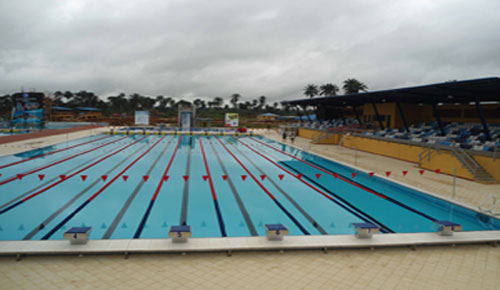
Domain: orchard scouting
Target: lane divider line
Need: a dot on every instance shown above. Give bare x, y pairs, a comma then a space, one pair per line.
157, 191
185, 192
67, 177
111, 229
236, 195
344, 203
55, 178
21, 175
313, 222
77, 196
294, 220
96, 194
50, 153
343, 178
212, 189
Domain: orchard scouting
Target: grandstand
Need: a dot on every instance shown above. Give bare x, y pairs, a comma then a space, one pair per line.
459, 118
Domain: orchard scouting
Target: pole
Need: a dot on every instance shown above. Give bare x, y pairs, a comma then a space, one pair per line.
356, 156
454, 181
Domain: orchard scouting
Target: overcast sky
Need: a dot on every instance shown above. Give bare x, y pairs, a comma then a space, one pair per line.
213, 48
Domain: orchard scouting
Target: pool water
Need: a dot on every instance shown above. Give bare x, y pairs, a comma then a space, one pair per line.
138, 186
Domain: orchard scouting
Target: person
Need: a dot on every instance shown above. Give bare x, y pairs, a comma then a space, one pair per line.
284, 135
292, 137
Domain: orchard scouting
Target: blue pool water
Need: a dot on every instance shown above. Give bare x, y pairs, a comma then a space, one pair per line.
138, 186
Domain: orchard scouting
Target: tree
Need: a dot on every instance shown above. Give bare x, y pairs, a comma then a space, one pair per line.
311, 90
328, 90
234, 100
218, 101
353, 86
262, 102
118, 103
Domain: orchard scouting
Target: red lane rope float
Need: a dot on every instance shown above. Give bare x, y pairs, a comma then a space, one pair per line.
68, 177
20, 176
50, 153
157, 191
85, 203
214, 195
336, 175
295, 221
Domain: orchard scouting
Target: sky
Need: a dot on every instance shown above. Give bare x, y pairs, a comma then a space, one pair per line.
201, 49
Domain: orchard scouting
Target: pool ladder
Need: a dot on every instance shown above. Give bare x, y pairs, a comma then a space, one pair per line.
495, 201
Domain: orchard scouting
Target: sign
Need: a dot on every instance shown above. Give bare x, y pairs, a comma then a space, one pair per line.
141, 117
186, 120
28, 110
232, 119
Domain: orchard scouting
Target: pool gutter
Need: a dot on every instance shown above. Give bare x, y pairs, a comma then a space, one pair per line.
235, 244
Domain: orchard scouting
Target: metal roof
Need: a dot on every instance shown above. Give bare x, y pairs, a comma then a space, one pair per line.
485, 90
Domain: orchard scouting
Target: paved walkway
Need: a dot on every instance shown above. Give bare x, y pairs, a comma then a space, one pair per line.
461, 267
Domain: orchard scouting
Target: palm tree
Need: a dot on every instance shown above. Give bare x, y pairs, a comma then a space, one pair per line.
255, 103
353, 86
328, 90
262, 102
234, 100
311, 90
218, 101
197, 103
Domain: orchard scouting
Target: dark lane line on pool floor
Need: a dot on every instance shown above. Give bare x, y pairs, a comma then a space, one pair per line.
132, 196
236, 195
140, 228
185, 192
384, 196
55, 178
313, 222
57, 162
96, 194
212, 189
325, 192
67, 177
77, 196
352, 182
294, 220
53, 152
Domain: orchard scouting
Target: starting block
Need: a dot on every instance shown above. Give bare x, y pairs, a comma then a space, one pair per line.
446, 228
276, 232
77, 235
365, 230
180, 234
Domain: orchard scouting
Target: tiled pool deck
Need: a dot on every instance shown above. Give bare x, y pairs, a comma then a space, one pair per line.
444, 267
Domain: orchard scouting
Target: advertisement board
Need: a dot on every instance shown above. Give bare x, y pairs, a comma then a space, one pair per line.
141, 117
28, 110
232, 119
186, 120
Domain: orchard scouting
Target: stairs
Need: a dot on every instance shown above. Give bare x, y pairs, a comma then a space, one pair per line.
476, 170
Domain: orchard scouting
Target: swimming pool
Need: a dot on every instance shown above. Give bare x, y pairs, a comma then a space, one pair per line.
137, 186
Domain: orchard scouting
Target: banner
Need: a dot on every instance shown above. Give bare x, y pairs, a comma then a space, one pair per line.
186, 120
141, 117
28, 110
232, 119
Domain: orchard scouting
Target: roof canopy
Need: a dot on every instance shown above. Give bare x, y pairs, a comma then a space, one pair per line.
484, 90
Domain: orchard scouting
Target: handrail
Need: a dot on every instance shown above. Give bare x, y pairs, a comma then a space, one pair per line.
494, 204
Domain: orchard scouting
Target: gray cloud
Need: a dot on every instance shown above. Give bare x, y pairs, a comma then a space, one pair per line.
216, 48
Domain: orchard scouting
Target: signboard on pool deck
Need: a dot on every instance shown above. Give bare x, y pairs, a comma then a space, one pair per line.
28, 110
141, 117
232, 119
